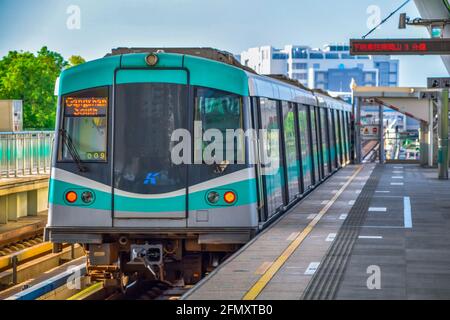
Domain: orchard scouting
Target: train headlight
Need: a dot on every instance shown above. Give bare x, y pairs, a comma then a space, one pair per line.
229, 197
71, 196
213, 197
87, 197
151, 59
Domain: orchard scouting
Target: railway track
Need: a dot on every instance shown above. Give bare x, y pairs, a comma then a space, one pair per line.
19, 245
369, 151
139, 290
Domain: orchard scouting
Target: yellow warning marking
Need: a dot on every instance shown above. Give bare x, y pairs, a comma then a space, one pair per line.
84, 294
254, 291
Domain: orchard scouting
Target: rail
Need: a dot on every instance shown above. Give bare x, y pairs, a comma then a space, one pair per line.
25, 153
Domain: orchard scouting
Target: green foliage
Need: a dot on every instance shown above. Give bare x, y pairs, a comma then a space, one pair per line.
76, 60
31, 78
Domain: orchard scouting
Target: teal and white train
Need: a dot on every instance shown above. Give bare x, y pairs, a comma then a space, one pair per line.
115, 189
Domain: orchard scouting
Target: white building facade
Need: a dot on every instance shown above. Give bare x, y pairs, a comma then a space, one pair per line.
330, 68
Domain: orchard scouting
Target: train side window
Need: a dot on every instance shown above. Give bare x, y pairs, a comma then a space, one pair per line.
222, 111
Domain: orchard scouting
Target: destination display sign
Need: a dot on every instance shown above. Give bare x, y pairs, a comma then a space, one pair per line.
85, 106
399, 46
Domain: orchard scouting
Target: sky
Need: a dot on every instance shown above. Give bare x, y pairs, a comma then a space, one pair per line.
231, 25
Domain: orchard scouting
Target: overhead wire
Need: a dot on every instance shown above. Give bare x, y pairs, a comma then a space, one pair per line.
386, 19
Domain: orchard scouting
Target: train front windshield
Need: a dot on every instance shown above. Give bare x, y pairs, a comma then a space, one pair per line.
85, 125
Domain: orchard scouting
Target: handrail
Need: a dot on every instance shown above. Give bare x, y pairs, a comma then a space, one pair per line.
25, 153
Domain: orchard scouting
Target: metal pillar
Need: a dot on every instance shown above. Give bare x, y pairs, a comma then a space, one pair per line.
431, 134
424, 147
357, 112
381, 133
443, 136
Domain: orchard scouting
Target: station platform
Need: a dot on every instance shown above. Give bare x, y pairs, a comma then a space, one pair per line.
369, 232
23, 197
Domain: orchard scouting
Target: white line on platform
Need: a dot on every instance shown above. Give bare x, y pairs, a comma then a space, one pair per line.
292, 236
312, 268
311, 216
343, 216
324, 202
396, 172
330, 237
382, 191
370, 237
351, 202
398, 167
397, 177
358, 191
377, 209
396, 183
407, 212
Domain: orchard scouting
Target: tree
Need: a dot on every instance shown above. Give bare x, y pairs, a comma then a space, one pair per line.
31, 78
75, 60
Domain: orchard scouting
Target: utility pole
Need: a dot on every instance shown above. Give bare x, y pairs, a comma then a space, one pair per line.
381, 132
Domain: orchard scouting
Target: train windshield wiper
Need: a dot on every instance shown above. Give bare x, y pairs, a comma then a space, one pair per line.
67, 140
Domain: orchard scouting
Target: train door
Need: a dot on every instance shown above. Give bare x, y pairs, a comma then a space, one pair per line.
148, 182
315, 143
271, 157
338, 130
291, 151
307, 163
324, 140
332, 139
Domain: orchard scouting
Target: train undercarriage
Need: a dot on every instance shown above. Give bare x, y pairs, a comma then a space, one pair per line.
179, 260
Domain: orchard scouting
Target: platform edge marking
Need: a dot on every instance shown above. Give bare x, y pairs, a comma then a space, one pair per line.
257, 288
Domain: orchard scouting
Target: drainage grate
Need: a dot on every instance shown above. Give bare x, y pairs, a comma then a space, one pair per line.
325, 282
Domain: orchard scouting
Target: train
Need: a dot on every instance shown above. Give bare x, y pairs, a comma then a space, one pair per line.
145, 202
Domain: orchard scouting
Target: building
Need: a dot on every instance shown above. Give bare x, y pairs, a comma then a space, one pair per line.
331, 68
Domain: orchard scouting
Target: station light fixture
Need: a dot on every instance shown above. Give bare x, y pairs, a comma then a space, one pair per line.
71, 196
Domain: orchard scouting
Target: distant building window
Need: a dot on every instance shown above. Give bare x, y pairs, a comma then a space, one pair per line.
362, 57
347, 56
369, 77
316, 65
393, 77
320, 77
331, 56
316, 55
299, 66
393, 67
360, 66
279, 56
300, 76
298, 53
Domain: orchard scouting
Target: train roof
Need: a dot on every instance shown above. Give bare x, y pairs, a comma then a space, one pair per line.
209, 67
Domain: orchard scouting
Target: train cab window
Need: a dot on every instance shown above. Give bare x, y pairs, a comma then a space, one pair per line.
85, 125
222, 111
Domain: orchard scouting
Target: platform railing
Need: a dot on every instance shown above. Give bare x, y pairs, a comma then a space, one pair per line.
25, 153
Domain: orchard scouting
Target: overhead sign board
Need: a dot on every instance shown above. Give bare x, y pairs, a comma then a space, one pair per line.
399, 46
438, 83
369, 132
85, 106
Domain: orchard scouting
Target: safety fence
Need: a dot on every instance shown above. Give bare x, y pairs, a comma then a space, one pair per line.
25, 153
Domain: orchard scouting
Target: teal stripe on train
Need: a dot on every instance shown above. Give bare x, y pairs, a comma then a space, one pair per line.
245, 190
